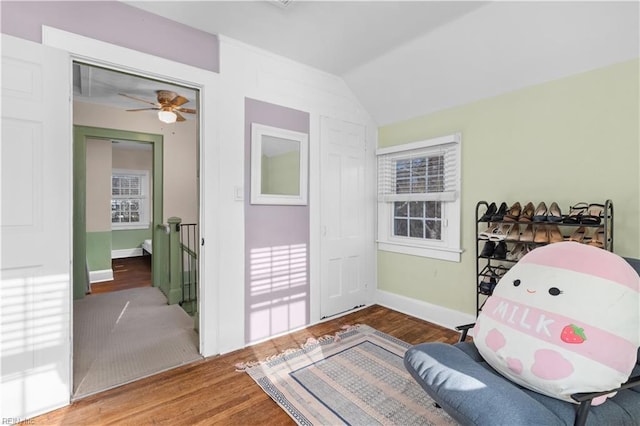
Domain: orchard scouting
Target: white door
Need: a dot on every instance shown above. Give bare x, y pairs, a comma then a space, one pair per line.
343, 216
35, 229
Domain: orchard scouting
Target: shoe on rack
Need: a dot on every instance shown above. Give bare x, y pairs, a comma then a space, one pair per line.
578, 235
527, 235
491, 229
541, 213
513, 254
575, 213
514, 233
592, 215
598, 239
525, 249
488, 249
499, 215
541, 234
491, 210
555, 214
513, 213
527, 213
500, 233
555, 235
500, 252
487, 285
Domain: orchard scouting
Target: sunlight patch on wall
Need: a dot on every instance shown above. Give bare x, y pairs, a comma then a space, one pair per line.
278, 290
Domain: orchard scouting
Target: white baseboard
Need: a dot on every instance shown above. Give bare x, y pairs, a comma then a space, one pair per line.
425, 311
132, 252
100, 276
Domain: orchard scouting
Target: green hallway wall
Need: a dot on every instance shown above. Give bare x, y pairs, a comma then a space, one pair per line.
568, 140
128, 239
99, 250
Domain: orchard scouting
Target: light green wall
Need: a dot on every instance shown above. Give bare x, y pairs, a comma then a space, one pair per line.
99, 250
281, 174
568, 140
126, 239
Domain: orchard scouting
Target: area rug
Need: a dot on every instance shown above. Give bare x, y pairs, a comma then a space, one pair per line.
356, 377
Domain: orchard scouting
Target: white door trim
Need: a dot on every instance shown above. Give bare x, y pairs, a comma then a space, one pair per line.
108, 55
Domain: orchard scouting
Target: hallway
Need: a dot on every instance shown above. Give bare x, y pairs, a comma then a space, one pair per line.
128, 272
122, 336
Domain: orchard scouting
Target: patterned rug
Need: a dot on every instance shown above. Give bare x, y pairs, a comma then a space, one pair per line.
356, 377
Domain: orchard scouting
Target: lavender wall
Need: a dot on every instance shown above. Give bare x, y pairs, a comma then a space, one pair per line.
276, 242
115, 23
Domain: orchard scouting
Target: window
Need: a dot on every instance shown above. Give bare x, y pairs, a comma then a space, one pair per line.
129, 199
419, 198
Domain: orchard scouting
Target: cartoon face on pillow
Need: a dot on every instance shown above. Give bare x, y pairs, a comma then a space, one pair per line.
564, 319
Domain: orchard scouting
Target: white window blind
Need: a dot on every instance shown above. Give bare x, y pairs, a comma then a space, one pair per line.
421, 174
419, 198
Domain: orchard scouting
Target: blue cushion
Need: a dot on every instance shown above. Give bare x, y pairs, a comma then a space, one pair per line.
473, 393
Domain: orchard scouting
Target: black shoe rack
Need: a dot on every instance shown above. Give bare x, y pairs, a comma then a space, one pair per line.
497, 252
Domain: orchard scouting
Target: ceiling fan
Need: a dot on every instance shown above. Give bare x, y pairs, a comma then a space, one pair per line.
169, 106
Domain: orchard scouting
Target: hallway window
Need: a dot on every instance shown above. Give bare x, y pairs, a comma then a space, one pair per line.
129, 199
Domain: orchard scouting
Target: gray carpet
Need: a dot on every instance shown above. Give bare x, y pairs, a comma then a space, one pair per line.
126, 335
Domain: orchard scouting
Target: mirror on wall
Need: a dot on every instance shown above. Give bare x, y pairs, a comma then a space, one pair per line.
278, 166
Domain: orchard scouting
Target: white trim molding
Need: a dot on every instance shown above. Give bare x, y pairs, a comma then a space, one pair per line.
130, 252
100, 276
440, 315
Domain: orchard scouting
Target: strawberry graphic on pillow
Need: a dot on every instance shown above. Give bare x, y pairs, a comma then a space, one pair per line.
573, 334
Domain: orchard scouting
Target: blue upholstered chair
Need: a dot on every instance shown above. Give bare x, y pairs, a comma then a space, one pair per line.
473, 393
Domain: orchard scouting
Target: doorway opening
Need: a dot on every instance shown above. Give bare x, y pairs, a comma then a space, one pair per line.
136, 180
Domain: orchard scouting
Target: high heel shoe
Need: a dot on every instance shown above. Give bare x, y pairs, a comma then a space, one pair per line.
499, 215
541, 235
491, 229
541, 213
592, 215
488, 249
491, 210
500, 252
515, 253
500, 233
578, 235
598, 239
514, 233
527, 213
555, 235
514, 213
527, 235
575, 213
555, 214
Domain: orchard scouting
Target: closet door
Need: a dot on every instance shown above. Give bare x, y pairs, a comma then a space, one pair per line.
36, 228
343, 215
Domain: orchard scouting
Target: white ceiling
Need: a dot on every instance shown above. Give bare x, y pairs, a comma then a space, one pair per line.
408, 58
102, 86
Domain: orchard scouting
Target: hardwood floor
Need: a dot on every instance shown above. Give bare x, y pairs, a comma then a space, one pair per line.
130, 272
212, 392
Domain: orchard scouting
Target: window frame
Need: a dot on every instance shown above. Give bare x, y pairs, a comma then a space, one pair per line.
448, 247
144, 200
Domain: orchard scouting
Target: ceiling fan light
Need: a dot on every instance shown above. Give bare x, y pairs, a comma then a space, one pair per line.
167, 116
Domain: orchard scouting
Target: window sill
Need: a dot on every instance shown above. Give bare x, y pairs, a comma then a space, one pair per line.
451, 255
115, 227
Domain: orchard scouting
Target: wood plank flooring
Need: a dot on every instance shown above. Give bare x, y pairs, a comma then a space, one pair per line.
212, 392
130, 272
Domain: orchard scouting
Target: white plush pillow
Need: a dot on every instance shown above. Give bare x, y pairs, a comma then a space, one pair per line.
564, 319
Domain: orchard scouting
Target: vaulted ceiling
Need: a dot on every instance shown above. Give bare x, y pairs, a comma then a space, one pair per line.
409, 58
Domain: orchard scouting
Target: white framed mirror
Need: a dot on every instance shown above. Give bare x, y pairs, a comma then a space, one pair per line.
279, 165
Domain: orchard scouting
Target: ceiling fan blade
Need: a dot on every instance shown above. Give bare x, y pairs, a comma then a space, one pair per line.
143, 109
179, 100
178, 116
138, 99
187, 110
